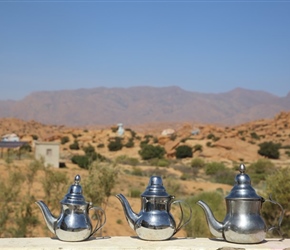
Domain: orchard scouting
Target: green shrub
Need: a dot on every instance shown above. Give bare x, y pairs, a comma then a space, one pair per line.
64, 139
101, 180
226, 176
197, 163
163, 162
114, 129
81, 160
89, 150
213, 168
270, 150
74, 145
35, 137
137, 172
130, 143
278, 184
259, 170
210, 136
101, 145
144, 143
159, 162
149, 152
255, 136
26, 147
197, 147
135, 193
184, 177
115, 145
172, 186
183, 151
124, 159
198, 227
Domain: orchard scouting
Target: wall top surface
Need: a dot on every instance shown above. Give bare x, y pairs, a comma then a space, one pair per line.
124, 243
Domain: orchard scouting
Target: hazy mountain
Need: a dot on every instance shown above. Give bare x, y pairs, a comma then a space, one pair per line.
137, 105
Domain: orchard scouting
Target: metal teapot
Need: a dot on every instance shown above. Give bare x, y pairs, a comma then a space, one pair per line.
73, 223
154, 221
243, 222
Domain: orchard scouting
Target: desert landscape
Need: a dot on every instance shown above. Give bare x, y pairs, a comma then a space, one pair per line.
230, 145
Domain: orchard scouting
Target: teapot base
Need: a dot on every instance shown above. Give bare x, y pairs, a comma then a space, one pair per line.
253, 238
155, 234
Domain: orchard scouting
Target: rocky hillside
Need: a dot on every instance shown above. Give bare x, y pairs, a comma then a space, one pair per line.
226, 143
139, 105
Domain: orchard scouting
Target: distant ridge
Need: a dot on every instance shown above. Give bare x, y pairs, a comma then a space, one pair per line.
138, 105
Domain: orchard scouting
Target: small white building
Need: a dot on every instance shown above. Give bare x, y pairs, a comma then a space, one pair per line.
49, 152
10, 137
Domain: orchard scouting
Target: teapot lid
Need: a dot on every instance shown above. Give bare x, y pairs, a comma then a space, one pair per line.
155, 188
242, 188
74, 195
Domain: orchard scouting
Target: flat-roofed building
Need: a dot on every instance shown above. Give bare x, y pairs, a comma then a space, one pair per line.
49, 152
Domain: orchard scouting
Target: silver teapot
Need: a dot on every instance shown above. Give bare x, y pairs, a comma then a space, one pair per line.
74, 223
243, 222
154, 221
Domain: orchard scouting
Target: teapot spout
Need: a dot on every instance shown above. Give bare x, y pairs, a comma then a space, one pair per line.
215, 227
48, 217
131, 217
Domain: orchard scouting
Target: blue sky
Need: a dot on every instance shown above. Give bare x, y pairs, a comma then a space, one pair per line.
202, 46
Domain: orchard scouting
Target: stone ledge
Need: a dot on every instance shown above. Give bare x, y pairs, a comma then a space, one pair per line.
124, 242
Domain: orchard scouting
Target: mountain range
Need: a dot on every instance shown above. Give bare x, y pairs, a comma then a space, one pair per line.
139, 105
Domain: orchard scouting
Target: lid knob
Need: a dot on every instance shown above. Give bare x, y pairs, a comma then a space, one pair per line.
242, 169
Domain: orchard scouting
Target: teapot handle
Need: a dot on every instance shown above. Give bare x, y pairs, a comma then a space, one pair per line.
278, 227
180, 225
103, 214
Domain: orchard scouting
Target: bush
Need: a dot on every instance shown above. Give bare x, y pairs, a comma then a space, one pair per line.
149, 152
197, 147
101, 145
89, 150
64, 139
259, 170
210, 136
197, 163
213, 168
159, 162
81, 160
26, 147
74, 145
35, 137
255, 136
137, 172
130, 143
226, 176
124, 159
276, 184
100, 182
183, 151
198, 227
115, 145
135, 193
269, 150
144, 143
